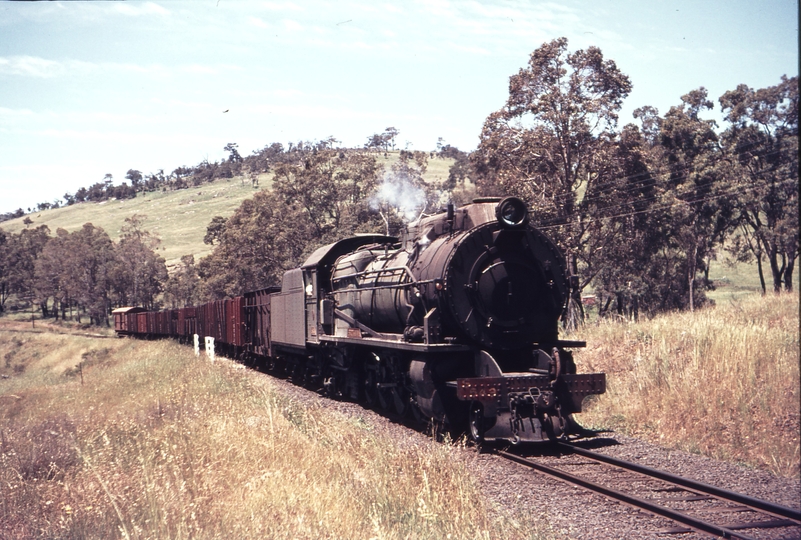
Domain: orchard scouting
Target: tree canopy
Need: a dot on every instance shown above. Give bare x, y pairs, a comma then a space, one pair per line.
547, 144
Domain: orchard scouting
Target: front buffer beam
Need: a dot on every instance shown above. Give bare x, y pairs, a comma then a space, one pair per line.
525, 408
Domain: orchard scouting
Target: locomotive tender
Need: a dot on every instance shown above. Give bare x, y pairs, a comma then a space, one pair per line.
456, 321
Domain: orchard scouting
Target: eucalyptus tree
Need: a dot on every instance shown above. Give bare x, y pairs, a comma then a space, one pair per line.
327, 186
49, 281
318, 195
21, 251
138, 273
762, 146
695, 191
548, 143
182, 289
86, 257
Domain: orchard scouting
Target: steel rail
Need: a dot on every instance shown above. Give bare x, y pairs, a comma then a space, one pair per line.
680, 517
731, 496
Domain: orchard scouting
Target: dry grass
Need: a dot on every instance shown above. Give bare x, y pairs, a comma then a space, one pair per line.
158, 444
723, 381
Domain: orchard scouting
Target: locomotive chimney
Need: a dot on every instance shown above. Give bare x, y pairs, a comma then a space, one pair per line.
450, 216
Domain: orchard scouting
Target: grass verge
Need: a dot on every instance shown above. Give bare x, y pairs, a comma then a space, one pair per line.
722, 381
156, 443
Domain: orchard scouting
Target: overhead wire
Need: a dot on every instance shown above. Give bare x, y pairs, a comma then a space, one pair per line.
732, 190
649, 179
622, 184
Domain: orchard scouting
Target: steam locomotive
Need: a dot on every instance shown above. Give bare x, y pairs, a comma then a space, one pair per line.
456, 321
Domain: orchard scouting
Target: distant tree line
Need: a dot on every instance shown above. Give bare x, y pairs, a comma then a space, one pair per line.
382, 141
19, 212
639, 211
83, 274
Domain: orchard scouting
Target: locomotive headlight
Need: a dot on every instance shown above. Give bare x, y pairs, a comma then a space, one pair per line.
511, 212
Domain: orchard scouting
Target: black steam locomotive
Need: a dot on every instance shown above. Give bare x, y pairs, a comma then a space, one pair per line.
456, 322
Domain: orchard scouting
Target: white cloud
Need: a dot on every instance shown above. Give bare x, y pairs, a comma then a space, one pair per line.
175, 102
288, 93
31, 66
291, 25
281, 6
203, 70
469, 49
135, 10
497, 12
15, 113
393, 8
258, 22
441, 8
37, 67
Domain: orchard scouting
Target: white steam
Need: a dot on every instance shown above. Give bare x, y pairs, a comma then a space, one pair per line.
398, 193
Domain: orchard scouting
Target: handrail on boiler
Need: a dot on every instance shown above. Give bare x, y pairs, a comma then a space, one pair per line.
378, 273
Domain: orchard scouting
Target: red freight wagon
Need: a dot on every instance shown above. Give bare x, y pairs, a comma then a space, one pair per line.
215, 321
158, 322
125, 319
257, 317
210, 319
185, 323
141, 323
166, 324
235, 321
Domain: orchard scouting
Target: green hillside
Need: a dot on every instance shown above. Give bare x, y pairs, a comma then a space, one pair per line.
180, 217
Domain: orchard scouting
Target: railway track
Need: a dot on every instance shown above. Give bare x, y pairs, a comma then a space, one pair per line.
695, 506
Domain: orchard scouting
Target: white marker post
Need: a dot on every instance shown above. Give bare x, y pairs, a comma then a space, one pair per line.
210, 348
197, 345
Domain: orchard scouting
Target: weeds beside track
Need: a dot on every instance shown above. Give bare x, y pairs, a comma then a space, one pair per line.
158, 443
723, 381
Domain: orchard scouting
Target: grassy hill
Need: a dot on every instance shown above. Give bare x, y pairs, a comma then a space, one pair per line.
180, 217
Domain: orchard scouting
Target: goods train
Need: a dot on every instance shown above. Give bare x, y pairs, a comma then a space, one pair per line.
456, 322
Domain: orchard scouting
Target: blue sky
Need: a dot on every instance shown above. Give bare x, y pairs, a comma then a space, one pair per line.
93, 88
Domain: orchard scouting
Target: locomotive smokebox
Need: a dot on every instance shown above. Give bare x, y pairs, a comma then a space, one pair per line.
503, 283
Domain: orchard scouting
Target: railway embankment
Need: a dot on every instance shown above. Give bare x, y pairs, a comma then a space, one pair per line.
119, 438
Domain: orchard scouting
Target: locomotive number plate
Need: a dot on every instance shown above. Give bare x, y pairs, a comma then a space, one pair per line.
491, 389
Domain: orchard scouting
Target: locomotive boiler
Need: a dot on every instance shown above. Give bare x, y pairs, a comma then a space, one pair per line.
456, 321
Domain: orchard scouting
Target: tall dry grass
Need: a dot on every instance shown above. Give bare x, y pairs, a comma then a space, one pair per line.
158, 444
722, 381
